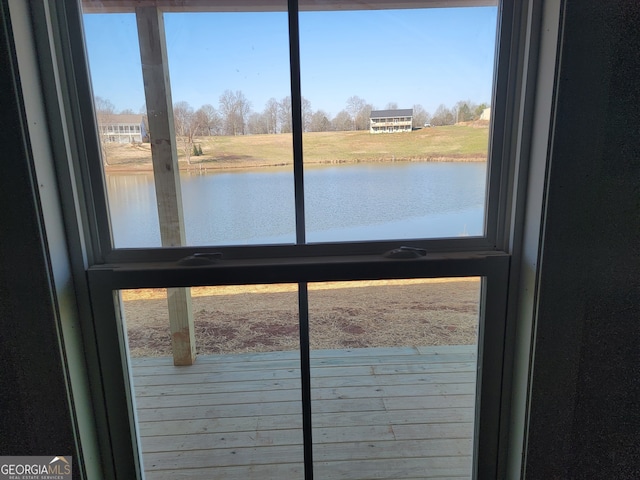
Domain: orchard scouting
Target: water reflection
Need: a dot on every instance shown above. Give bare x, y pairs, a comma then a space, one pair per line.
381, 198
133, 209
343, 203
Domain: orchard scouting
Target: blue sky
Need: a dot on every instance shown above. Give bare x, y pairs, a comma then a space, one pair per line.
428, 57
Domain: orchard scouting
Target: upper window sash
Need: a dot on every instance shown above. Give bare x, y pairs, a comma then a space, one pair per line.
497, 223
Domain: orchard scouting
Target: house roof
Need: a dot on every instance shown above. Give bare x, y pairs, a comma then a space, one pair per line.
120, 119
403, 112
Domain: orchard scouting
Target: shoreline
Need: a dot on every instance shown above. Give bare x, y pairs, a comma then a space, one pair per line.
225, 165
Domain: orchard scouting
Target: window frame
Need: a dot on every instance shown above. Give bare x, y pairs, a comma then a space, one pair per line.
109, 269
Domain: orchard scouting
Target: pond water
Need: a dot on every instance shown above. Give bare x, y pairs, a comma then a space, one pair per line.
342, 203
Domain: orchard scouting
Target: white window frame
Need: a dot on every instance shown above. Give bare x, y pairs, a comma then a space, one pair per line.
75, 140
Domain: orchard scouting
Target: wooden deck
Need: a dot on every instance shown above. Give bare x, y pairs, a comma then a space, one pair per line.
378, 413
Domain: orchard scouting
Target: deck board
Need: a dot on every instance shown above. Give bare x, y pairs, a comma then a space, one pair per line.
351, 383
379, 413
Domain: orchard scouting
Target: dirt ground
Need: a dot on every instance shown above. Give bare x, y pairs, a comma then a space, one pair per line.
264, 318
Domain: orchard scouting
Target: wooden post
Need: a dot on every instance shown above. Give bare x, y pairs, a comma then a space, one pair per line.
157, 90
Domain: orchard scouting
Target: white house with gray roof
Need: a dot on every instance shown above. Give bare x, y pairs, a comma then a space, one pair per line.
391, 121
122, 128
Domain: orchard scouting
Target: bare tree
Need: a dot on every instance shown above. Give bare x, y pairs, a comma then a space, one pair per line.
443, 116
201, 119
243, 107
284, 115
354, 105
227, 112
420, 116
258, 123
464, 111
211, 121
187, 125
105, 111
235, 109
363, 117
342, 121
306, 114
271, 115
104, 105
392, 106
319, 122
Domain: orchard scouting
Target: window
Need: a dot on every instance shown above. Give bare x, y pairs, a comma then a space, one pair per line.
283, 248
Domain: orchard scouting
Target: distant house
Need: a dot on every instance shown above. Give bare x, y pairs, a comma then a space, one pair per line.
486, 114
122, 128
391, 121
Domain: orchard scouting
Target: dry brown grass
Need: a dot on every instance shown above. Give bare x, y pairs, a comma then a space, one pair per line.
342, 315
462, 142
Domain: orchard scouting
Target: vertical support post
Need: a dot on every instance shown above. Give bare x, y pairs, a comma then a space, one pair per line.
157, 90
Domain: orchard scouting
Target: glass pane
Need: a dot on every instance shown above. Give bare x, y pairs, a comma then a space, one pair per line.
393, 374
119, 101
396, 125
235, 68
236, 412
230, 88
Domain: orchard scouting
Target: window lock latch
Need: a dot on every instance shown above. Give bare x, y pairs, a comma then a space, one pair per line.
405, 252
200, 259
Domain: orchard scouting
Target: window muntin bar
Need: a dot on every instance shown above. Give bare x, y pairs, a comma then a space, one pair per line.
296, 120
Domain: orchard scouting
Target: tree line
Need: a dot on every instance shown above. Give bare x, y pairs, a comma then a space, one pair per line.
234, 116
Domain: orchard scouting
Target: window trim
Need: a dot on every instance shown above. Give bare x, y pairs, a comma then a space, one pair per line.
70, 59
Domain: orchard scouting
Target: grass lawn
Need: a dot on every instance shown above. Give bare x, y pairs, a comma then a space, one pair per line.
450, 143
